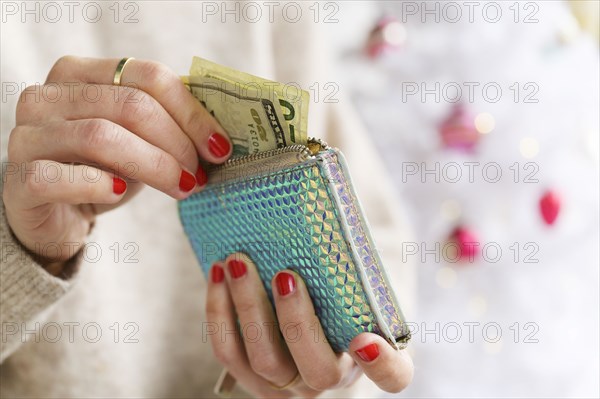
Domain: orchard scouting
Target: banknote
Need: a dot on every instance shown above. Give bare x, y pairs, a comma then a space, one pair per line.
257, 113
253, 123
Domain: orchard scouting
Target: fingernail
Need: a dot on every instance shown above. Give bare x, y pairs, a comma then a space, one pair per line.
187, 181
218, 145
119, 186
368, 353
286, 283
201, 177
237, 268
217, 274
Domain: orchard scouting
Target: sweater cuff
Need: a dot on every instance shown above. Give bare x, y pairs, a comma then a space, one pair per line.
26, 289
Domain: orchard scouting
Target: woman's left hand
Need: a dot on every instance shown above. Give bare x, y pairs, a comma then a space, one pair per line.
299, 358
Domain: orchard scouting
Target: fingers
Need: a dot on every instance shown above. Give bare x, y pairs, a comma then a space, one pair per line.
54, 182
106, 144
236, 291
391, 369
265, 348
133, 109
220, 316
209, 138
319, 366
226, 340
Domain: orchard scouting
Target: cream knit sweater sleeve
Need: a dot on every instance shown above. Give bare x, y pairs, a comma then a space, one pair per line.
26, 289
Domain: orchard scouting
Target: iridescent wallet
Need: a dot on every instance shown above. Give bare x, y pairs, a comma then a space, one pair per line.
295, 208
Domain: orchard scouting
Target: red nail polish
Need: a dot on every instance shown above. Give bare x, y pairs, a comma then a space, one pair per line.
286, 284
237, 268
217, 274
218, 145
368, 353
119, 186
187, 181
201, 177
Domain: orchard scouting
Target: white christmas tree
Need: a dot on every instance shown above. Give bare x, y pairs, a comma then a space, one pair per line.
487, 116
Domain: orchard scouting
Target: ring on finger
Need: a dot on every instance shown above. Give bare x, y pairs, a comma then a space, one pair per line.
290, 384
119, 70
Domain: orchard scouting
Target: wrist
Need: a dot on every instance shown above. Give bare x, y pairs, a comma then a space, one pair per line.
55, 265
64, 269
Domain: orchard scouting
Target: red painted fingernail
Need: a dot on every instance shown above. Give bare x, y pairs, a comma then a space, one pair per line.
218, 145
187, 181
286, 284
201, 177
119, 186
237, 268
217, 274
368, 353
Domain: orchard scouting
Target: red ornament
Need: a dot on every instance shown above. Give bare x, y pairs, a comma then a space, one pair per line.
550, 206
388, 35
466, 243
458, 131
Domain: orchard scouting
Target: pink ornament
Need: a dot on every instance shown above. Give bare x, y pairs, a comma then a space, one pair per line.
550, 206
458, 131
467, 244
387, 36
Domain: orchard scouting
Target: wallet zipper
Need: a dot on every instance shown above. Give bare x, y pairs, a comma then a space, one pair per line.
292, 154
315, 145
312, 148
303, 151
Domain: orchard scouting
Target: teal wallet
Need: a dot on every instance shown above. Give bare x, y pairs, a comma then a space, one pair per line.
295, 208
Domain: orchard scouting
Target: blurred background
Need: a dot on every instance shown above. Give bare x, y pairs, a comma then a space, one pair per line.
487, 119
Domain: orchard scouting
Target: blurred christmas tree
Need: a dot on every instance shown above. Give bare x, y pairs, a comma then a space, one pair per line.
487, 117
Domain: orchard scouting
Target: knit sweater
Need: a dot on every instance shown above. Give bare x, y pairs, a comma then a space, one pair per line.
130, 321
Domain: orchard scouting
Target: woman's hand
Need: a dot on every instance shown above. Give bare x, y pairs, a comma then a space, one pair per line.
264, 359
82, 146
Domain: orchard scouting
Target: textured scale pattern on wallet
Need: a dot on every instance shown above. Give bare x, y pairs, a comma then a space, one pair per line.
390, 313
285, 220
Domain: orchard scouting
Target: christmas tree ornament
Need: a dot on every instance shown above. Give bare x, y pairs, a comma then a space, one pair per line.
463, 245
550, 206
387, 36
458, 131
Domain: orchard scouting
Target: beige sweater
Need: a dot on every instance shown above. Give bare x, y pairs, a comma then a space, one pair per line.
130, 322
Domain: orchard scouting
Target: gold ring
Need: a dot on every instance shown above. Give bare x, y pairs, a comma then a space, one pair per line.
119, 71
288, 385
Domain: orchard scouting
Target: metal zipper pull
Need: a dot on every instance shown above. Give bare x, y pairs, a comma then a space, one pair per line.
316, 145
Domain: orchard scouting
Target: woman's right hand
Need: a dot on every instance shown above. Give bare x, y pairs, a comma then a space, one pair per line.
82, 146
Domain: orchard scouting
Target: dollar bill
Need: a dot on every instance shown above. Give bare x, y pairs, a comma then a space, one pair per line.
257, 113
254, 124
